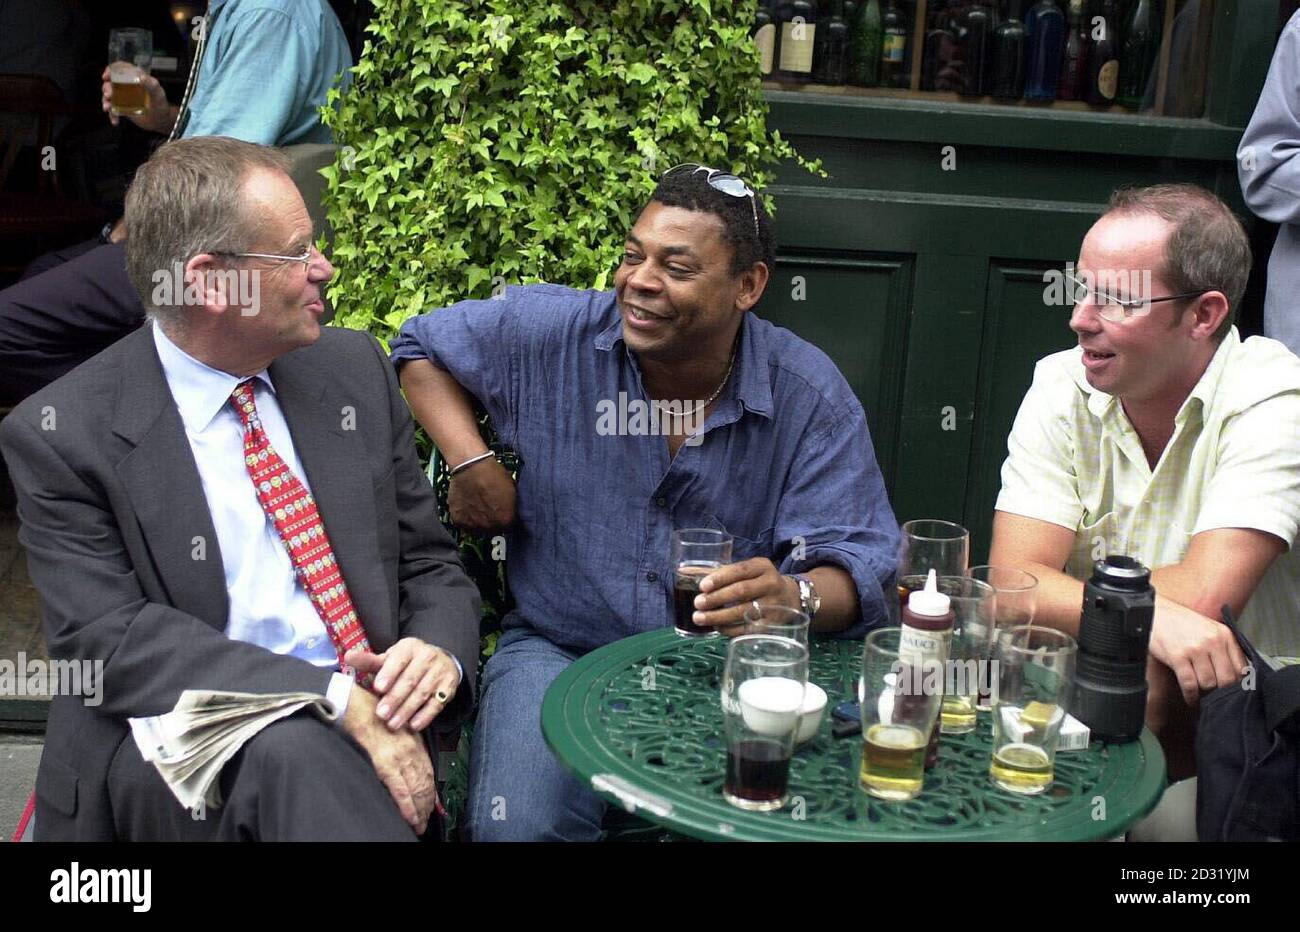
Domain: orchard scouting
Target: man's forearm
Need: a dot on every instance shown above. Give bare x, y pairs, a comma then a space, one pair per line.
839, 595
444, 409
1059, 598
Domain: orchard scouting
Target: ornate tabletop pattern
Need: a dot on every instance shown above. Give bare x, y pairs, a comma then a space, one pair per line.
641, 721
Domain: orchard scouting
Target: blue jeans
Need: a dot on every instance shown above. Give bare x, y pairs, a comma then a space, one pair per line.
518, 790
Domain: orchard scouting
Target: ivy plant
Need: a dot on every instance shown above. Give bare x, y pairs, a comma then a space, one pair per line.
511, 141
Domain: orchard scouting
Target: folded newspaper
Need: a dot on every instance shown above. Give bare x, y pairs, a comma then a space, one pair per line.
190, 744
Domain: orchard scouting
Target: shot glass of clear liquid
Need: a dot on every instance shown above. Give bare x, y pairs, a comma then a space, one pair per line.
1034, 684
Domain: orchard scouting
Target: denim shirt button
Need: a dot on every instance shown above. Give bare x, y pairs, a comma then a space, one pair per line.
652, 576
661, 502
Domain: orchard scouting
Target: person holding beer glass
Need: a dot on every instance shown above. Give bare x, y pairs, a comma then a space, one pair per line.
261, 73
662, 405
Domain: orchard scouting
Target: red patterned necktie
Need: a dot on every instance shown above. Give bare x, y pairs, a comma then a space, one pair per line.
291, 508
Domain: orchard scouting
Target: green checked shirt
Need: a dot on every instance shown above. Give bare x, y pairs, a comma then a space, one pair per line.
1233, 462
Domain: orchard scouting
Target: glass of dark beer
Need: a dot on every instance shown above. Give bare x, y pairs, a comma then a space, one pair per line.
697, 552
762, 698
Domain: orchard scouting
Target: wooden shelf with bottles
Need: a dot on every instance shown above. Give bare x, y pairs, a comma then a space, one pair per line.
914, 91
902, 93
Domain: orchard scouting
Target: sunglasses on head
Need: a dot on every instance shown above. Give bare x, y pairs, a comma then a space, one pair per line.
722, 181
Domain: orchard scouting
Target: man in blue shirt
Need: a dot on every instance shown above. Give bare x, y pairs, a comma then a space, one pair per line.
746, 428
265, 71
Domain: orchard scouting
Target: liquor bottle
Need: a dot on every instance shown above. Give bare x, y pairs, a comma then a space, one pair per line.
765, 38
1046, 28
1138, 55
1007, 80
893, 49
940, 49
1074, 66
831, 56
976, 45
1103, 58
866, 38
925, 640
797, 24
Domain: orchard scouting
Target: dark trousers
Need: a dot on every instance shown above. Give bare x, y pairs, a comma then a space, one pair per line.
299, 779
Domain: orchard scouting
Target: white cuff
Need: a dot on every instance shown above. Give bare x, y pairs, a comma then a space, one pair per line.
338, 693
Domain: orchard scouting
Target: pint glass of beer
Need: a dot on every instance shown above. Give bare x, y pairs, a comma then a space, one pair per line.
130, 56
697, 552
901, 696
1034, 686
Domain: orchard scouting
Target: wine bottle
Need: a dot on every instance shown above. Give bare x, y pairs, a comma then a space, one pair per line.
1007, 81
831, 56
976, 45
797, 24
1138, 53
1046, 28
940, 47
764, 34
1074, 65
893, 50
1103, 57
866, 39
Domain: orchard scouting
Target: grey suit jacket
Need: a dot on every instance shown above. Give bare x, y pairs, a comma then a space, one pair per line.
1268, 167
123, 552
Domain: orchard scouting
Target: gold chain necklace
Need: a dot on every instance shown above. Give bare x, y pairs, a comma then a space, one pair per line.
707, 401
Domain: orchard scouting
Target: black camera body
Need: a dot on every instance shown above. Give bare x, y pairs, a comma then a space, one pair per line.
1110, 694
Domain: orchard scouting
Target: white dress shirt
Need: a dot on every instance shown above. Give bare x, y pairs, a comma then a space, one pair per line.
268, 607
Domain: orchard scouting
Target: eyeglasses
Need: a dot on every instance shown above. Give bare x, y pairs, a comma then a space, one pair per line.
725, 182
305, 258
1116, 309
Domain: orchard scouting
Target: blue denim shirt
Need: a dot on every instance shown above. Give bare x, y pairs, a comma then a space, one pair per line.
785, 463
266, 70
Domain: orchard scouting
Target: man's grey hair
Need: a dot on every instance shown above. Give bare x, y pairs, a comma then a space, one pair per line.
1208, 249
184, 201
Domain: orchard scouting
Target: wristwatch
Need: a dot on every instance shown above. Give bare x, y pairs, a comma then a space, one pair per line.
809, 600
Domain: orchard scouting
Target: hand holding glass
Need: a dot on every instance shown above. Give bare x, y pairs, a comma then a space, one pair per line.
130, 56
697, 552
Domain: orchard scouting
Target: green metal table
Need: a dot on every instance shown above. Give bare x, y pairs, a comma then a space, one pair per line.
640, 722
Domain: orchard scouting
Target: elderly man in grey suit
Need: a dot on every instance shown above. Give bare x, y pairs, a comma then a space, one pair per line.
230, 499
